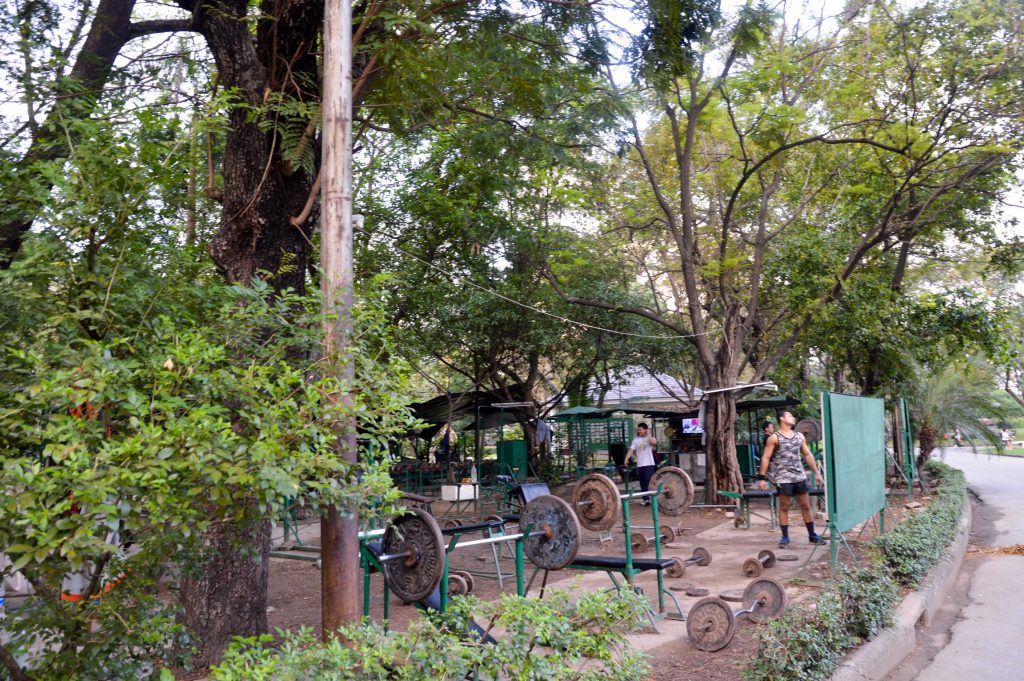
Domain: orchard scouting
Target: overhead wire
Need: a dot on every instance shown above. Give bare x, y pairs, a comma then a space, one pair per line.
450, 276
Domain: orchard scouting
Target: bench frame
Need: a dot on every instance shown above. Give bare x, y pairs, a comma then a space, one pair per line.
628, 568
743, 505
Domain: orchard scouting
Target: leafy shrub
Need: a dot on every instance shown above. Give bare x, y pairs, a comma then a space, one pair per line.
805, 644
117, 454
550, 639
868, 597
916, 544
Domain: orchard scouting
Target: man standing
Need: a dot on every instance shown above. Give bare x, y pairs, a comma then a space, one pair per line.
781, 463
643, 448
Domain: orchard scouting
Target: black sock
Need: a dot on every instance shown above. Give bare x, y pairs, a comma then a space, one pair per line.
785, 530
810, 529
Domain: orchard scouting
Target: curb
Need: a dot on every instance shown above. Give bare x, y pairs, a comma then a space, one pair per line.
874, 660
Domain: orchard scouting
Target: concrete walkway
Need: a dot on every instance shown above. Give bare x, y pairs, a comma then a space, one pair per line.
987, 641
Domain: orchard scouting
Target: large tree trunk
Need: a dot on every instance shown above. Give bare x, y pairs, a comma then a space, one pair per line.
227, 595
723, 471
262, 191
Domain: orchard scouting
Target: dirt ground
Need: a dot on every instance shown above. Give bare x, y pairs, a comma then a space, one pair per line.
294, 599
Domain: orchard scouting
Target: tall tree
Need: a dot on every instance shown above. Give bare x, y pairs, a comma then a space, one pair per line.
781, 159
418, 64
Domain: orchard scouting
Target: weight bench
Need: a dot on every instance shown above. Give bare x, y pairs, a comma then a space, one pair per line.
619, 564
743, 514
420, 501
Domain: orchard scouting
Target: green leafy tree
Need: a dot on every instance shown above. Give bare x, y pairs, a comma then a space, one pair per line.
183, 439
955, 397
782, 160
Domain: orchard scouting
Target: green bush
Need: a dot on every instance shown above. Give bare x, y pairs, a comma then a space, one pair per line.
916, 544
868, 597
153, 437
806, 643
809, 642
550, 639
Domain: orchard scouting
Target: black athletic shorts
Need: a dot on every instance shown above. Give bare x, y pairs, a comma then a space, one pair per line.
794, 489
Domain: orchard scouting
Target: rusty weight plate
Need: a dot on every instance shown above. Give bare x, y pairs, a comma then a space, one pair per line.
710, 624
596, 500
457, 585
466, 576
678, 567
767, 557
638, 541
733, 595
770, 597
752, 567
668, 535
676, 489
809, 428
555, 539
701, 556
415, 576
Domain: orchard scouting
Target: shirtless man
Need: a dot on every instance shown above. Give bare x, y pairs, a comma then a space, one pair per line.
781, 463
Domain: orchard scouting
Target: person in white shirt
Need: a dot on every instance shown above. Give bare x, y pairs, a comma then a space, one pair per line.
642, 448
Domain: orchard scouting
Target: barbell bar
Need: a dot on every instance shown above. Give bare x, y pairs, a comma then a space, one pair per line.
413, 552
753, 567
711, 623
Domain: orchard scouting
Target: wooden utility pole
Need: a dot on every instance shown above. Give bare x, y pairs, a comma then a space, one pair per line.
339, 530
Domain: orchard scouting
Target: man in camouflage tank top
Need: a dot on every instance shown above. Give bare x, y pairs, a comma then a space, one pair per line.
781, 463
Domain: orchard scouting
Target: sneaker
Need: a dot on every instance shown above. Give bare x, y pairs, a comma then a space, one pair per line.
816, 539
645, 502
784, 542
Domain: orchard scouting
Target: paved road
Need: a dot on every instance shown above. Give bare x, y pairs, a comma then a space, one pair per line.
987, 642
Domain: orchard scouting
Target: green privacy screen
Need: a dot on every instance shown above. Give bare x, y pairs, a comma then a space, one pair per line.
854, 458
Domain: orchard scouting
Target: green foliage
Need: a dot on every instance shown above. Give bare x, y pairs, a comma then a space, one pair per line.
915, 545
868, 597
953, 396
537, 639
808, 642
119, 453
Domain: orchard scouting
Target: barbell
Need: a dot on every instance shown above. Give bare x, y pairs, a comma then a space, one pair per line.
711, 623
412, 553
641, 542
701, 556
753, 567
598, 502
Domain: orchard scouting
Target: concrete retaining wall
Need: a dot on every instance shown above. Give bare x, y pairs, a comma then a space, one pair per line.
874, 660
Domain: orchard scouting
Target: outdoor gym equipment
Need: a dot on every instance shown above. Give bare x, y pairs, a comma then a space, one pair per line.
711, 623
753, 567
413, 556
641, 542
701, 556
597, 499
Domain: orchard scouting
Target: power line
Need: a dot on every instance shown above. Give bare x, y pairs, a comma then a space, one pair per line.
526, 306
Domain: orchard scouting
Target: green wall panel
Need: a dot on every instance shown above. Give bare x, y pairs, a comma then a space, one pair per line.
854, 457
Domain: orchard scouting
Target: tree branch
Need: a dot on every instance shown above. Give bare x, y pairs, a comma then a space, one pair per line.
144, 28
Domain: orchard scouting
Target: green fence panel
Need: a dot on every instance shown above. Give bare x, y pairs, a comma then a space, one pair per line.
854, 458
